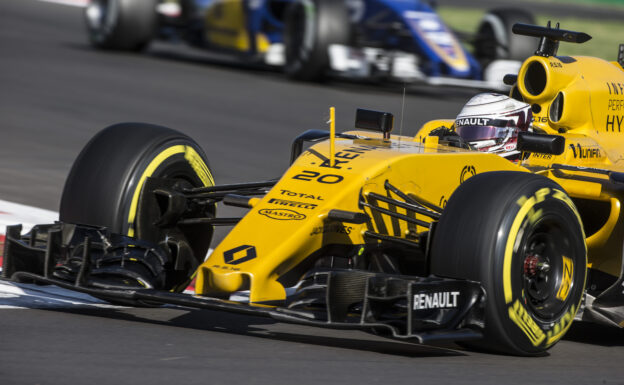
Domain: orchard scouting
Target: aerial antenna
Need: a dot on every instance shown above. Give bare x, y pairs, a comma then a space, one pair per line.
402, 112
332, 136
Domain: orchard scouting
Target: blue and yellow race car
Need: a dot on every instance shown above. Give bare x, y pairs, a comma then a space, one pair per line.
401, 40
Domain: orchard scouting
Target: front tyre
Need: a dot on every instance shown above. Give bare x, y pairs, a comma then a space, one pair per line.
109, 185
124, 25
520, 235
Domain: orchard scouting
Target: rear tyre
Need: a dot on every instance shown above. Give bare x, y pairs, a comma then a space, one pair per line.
124, 25
520, 235
311, 26
108, 186
495, 41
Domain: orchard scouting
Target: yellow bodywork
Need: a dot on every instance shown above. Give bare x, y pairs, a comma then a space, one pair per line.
291, 223
591, 118
226, 27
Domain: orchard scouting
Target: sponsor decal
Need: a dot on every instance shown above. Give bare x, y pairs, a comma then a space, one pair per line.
472, 122
615, 105
228, 268
239, 254
466, 173
301, 195
584, 153
560, 327
344, 156
519, 315
541, 156
566, 279
615, 88
438, 300
282, 214
333, 228
313, 176
556, 64
613, 122
429, 27
300, 205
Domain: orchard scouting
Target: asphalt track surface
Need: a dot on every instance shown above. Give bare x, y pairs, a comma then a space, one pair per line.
56, 92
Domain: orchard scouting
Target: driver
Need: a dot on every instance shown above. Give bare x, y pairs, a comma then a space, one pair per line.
490, 123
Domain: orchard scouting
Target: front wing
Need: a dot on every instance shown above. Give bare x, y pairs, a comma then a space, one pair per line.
421, 309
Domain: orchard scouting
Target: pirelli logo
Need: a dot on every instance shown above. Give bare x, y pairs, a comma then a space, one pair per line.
293, 204
519, 315
567, 277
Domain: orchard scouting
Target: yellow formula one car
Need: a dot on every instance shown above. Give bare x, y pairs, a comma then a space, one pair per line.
413, 238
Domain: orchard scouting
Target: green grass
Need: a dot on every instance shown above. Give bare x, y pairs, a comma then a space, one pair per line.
606, 35
600, 3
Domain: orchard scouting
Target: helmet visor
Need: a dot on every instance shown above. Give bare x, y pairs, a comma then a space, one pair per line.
475, 133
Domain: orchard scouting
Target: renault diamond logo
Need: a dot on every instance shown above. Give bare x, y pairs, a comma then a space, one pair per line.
239, 254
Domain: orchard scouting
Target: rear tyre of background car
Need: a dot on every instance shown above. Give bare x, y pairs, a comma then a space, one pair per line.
108, 186
495, 41
520, 235
311, 26
124, 25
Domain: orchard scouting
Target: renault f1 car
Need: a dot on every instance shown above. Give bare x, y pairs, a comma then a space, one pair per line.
412, 238
370, 39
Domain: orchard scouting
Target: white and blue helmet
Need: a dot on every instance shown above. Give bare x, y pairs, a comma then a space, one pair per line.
491, 122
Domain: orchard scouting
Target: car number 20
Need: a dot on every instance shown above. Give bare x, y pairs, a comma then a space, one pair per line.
310, 176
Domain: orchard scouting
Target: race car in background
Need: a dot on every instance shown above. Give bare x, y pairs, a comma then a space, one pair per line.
402, 40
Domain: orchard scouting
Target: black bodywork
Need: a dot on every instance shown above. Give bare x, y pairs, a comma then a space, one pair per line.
109, 266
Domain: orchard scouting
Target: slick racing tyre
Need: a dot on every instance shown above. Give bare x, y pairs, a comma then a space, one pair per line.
124, 25
495, 41
311, 26
520, 235
109, 185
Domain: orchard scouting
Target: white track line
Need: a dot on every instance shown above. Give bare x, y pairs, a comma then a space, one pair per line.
15, 213
28, 296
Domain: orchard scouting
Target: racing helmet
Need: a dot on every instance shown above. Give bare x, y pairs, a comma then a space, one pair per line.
490, 122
